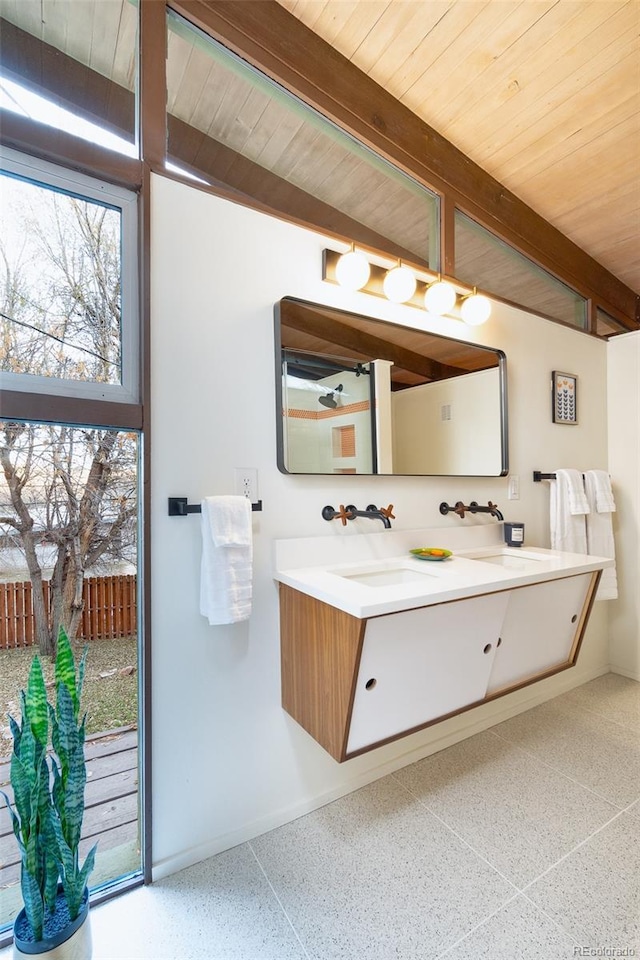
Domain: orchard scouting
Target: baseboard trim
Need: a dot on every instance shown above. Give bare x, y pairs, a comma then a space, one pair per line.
475, 721
632, 674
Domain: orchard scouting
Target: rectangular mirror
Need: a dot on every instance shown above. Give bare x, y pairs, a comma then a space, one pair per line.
364, 396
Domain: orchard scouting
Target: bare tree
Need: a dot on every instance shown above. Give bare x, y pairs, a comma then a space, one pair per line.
69, 489
74, 490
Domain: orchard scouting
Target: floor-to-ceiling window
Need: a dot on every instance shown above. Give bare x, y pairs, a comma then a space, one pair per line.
70, 481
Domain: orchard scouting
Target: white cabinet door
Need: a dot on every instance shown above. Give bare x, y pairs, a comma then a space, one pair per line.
422, 664
539, 629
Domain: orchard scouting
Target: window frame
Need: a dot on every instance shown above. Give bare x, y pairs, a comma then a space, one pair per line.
72, 183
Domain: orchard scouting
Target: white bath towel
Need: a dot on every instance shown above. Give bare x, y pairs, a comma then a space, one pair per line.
227, 553
600, 541
567, 509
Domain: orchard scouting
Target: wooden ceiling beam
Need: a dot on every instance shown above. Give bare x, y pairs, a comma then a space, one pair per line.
277, 43
54, 145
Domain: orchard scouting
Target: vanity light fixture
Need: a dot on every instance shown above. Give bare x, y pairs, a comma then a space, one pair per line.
414, 286
399, 285
352, 269
440, 297
475, 309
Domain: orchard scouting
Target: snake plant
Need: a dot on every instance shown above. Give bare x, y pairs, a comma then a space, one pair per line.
48, 803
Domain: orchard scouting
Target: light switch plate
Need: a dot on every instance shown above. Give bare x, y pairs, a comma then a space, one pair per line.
514, 487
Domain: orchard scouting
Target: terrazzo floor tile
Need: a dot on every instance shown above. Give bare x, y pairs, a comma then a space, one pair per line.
380, 822
599, 754
355, 885
221, 909
511, 808
634, 811
594, 893
519, 931
611, 696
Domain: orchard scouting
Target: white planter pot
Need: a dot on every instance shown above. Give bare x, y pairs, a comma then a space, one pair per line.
77, 947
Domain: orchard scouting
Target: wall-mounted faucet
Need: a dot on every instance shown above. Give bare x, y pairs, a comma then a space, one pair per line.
350, 513
474, 507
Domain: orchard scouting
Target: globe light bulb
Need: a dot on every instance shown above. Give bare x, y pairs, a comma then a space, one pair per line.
399, 284
475, 309
440, 297
352, 270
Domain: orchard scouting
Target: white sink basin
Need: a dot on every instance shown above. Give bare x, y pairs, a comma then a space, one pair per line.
385, 577
513, 558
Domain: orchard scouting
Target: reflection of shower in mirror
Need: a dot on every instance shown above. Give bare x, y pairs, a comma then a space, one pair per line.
329, 399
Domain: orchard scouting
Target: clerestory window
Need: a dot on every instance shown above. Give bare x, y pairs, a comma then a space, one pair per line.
68, 283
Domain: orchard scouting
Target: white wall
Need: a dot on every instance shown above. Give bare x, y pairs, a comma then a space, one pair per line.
228, 762
624, 466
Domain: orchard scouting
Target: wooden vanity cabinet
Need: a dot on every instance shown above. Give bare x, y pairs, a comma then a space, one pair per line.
354, 684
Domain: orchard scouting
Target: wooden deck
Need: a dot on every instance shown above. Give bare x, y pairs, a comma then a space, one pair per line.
111, 800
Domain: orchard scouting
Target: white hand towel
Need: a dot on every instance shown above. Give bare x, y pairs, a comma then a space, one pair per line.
227, 553
599, 482
567, 508
574, 489
600, 541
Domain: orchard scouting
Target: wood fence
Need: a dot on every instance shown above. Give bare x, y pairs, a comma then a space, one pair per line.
109, 610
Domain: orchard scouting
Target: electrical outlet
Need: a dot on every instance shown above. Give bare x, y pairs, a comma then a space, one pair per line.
247, 483
514, 487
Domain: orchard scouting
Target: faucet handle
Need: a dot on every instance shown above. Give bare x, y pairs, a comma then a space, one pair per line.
343, 515
328, 513
385, 511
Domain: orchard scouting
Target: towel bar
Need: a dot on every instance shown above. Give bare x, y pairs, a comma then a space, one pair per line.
179, 507
538, 476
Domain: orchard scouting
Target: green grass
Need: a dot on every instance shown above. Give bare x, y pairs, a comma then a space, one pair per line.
109, 702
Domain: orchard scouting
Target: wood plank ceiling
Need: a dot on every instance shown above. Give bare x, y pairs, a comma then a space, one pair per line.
542, 94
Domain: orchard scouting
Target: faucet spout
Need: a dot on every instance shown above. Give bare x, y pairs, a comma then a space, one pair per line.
491, 508
372, 512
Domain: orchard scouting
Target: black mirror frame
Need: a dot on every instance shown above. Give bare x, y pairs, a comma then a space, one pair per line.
280, 452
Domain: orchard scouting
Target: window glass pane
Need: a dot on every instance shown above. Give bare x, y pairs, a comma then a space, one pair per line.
61, 295
68, 554
485, 261
606, 326
72, 64
231, 124
68, 310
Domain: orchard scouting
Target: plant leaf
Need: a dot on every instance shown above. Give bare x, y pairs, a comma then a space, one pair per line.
36, 703
33, 905
74, 799
65, 672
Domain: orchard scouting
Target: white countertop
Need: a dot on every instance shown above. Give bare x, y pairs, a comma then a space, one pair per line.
325, 568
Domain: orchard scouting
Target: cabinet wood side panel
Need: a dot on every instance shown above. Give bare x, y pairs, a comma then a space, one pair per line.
320, 651
585, 615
